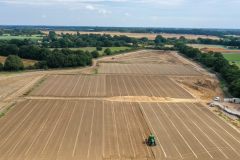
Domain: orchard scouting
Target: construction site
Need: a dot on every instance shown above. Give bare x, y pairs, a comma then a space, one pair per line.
110, 111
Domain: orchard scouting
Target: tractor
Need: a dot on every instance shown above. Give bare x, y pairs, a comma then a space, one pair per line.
151, 140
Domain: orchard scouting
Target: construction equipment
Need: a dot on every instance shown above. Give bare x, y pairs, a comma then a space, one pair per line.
151, 140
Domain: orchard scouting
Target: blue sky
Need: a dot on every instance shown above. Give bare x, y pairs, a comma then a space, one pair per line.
135, 13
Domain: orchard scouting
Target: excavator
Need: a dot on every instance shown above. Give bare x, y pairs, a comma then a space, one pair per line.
151, 140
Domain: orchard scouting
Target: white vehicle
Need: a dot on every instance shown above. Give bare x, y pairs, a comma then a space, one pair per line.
218, 99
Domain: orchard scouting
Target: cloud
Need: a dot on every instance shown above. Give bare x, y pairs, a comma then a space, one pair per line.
90, 7
77, 2
127, 14
97, 8
120, 2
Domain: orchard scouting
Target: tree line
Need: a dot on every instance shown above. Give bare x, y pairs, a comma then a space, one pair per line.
54, 40
200, 31
16, 31
229, 72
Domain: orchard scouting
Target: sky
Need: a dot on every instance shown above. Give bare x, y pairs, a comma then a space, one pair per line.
122, 13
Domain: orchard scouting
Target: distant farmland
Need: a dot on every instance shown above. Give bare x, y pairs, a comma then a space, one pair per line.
20, 37
214, 48
150, 36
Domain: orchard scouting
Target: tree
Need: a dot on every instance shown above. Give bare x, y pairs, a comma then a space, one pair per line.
56, 59
1, 66
160, 40
235, 88
52, 36
99, 48
13, 63
108, 51
95, 54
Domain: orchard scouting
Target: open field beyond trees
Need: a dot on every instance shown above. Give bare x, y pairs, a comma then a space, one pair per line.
150, 36
215, 48
109, 115
21, 37
233, 58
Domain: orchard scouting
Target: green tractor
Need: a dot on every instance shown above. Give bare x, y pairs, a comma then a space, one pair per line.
151, 140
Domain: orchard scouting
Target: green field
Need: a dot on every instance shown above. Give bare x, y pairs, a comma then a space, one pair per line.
21, 37
233, 58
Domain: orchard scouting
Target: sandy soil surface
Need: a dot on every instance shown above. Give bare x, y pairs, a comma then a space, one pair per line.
109, 86
190, 131
149, 69
59, 129
221, 50
90, 129
205, 88
108, 116
144, 56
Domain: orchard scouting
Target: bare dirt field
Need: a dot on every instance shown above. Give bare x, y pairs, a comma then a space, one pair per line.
149, 69
60, 130
214, 48
10, 86
108, 115
190, 131
109, 86
150, 36
151, 56
63, 129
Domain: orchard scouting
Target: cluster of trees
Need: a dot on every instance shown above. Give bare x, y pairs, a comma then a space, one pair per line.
12, 63
16, 31
229, 72
46, 57
65, 58
51, 58
86, 40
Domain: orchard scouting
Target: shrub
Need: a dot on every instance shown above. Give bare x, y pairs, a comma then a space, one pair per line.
13, 63
108, 51
99, 48
95, 54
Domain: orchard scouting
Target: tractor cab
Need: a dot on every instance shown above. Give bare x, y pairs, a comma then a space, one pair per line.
151, 140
